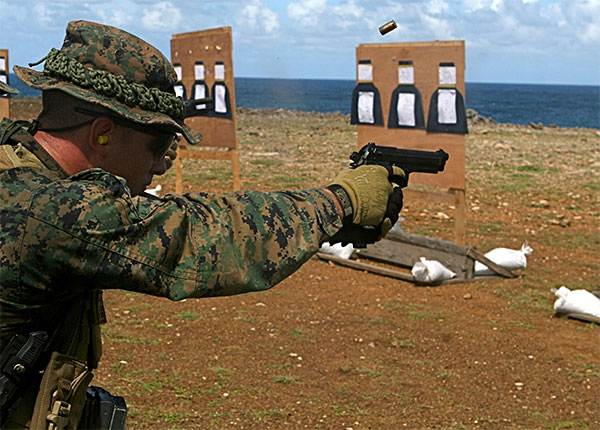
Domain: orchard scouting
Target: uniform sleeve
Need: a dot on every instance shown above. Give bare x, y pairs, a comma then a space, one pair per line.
87, 232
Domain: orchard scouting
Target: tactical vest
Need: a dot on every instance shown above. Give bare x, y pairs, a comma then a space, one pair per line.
55, 400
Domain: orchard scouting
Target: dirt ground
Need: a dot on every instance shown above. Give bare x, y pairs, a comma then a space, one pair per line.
338, 348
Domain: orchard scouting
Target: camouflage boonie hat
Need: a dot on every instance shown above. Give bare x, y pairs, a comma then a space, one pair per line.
117, 70
5, 89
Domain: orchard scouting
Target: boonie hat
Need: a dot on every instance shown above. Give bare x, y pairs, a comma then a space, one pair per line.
117, 70
5, 89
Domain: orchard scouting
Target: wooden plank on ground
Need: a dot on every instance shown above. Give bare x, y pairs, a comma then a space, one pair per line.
397, 274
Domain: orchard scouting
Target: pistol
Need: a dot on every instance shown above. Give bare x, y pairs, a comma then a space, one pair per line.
190, 106
409, 160
18, 365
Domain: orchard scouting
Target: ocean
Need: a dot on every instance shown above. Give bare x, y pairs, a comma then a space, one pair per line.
561, 105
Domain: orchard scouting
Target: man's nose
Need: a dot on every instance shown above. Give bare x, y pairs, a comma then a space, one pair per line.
160, 166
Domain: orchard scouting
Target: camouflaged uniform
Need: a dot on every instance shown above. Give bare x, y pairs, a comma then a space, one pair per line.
64, 239
62, 236
6, 89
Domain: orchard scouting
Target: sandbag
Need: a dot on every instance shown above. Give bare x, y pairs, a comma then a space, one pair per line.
510, 259
430, 271
576, 301
337, 249
154, 191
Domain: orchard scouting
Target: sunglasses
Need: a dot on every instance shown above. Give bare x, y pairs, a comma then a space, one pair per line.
158, 146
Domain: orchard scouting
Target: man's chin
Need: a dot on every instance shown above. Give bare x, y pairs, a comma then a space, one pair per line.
137, 191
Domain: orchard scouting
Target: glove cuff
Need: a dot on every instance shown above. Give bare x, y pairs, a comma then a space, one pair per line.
344, 199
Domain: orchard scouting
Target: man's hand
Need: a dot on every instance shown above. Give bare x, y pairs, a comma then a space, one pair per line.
374, 202
369, 190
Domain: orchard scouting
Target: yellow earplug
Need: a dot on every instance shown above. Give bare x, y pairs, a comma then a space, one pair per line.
102, 139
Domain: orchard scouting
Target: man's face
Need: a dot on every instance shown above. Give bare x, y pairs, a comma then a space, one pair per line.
137, 157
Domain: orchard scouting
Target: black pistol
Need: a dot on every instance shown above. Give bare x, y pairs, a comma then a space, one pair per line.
18, 365
191, 110
409, 160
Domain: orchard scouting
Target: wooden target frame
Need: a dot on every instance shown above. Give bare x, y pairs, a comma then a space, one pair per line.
4, 73
427, 59
208, 54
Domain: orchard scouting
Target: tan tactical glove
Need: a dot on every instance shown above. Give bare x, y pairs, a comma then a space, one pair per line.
369, 189
368, 198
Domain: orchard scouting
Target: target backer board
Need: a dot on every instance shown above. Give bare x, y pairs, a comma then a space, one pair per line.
426, 58
205, 57
4, 73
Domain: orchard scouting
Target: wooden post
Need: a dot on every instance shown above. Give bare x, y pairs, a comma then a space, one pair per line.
4, 72
235, 159
178, 175
460, 217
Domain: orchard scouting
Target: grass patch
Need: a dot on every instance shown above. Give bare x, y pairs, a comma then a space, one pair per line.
563, 425
531, 299
281, 379
517, 183
530, 168
266, 162
487, 228
523, 324
403, 343
369, 372
422, 315
592, 185
188, 316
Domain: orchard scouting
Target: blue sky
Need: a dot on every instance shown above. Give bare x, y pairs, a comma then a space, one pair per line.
509, 41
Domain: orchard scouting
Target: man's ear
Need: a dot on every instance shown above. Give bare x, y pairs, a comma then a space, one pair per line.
101, 133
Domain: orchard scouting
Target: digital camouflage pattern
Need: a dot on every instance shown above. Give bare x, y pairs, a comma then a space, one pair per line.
6, 89
61, 237
117, 70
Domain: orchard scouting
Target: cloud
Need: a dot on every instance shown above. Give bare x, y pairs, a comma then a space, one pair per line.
121, 15
162, 16
348, 14
257, 16
43, 14
307, 12
584, 18
301, 32
495, 5
436, 7
440, 28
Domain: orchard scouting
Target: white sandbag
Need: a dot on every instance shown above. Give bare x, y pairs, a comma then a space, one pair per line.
576, 301
154, 191
510, 259
337, 249
397, 228
429, 271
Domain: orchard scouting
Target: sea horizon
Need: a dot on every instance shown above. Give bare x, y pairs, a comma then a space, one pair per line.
563, 105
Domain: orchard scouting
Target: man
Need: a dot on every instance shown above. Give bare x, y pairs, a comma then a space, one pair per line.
75, 220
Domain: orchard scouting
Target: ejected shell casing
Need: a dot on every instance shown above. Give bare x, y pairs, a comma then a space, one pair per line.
387, 27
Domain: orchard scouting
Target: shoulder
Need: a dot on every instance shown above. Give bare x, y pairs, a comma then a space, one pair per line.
89, 198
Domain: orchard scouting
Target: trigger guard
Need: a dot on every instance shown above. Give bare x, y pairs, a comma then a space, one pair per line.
399, 180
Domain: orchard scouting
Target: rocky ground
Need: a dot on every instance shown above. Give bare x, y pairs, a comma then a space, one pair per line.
338, 348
